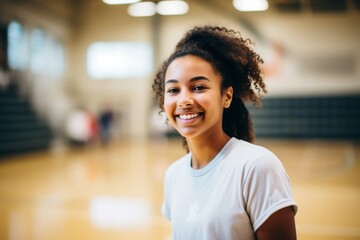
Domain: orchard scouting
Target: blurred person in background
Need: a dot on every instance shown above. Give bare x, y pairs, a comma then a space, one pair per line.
81, 127
106, 119
226, 187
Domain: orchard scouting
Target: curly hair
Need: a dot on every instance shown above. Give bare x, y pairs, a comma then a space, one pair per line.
237, 63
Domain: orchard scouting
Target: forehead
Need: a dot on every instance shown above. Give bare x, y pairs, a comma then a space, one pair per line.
188, 66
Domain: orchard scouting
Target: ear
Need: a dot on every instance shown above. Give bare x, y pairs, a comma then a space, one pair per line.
227, 97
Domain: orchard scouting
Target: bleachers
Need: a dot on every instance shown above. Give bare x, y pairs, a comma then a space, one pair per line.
310, 117
20, 129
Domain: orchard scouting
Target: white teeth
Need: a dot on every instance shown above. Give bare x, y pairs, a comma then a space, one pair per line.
188, 116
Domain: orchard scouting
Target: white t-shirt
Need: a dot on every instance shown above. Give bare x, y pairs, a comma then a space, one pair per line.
230, 197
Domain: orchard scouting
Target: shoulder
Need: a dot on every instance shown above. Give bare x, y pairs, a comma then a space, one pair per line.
254, 158
251, 152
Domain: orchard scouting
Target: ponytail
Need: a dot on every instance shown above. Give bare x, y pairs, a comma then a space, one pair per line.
237, 121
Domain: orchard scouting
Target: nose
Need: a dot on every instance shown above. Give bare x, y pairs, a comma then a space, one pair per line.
185, 100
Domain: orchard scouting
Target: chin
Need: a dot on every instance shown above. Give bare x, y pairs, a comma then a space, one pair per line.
188, 134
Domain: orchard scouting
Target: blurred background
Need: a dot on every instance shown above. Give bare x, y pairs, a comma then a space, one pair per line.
83, 149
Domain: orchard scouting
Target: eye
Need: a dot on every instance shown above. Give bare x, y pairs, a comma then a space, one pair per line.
199, 88
172, 90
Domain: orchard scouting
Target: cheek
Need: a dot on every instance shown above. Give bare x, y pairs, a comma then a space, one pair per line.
208, 101
168, 106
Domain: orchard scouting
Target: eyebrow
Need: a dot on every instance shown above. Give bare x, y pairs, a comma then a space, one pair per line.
194, 79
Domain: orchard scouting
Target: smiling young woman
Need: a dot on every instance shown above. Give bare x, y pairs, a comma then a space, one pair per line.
194, 105
225, 187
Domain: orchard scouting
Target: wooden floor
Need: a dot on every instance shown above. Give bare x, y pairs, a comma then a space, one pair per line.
115, 192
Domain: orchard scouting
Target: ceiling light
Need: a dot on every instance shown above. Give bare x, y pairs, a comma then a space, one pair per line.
142, 9
175, 7
251, 5
113, 2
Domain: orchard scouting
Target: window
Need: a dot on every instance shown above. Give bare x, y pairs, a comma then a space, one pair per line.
119, 60
37, 51
55, 52
46, 55
17, 49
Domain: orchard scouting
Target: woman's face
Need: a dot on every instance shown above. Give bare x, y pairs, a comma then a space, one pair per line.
193, 100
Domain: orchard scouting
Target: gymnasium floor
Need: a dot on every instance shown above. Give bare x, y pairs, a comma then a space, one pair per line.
115, 192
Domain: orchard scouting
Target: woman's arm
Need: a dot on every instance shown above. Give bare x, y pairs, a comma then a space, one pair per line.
280, 225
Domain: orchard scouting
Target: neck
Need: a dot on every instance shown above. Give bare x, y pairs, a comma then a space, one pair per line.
204, 149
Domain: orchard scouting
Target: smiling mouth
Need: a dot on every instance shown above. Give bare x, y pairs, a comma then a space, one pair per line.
188, 116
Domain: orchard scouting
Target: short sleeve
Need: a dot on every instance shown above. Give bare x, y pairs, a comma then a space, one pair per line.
165, 210
266, 189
